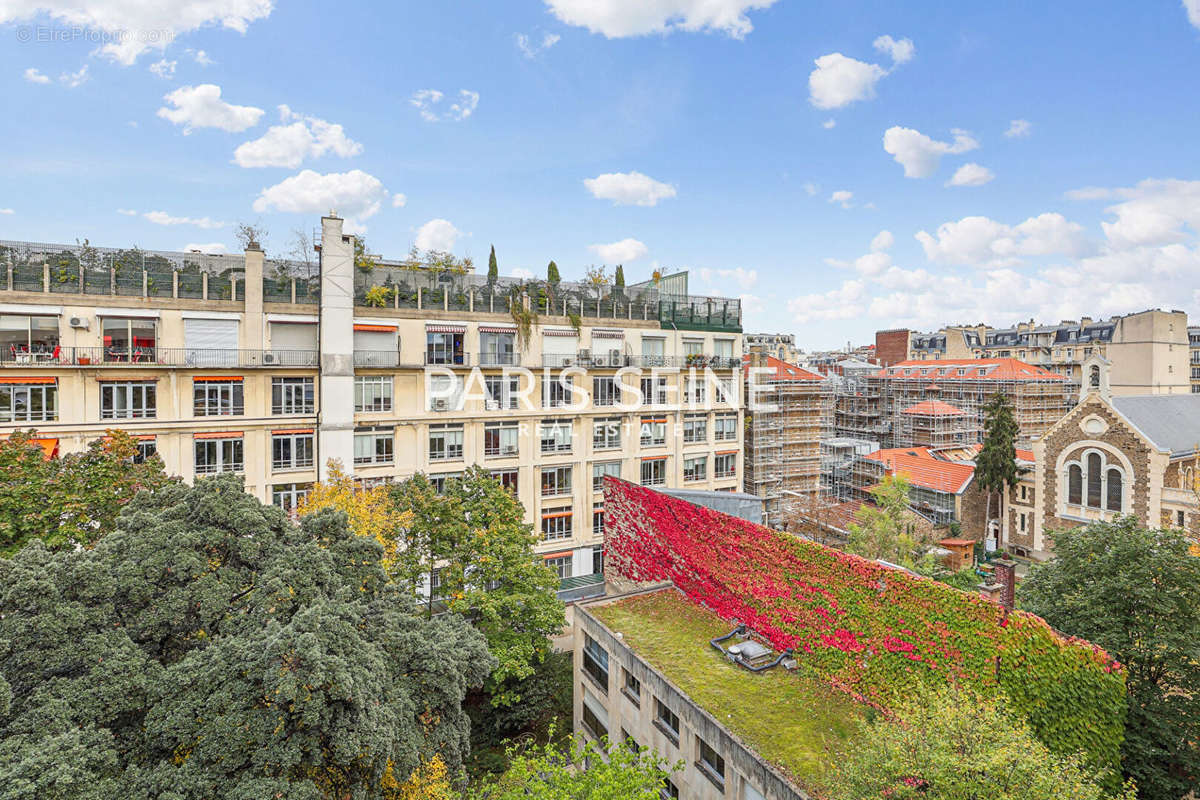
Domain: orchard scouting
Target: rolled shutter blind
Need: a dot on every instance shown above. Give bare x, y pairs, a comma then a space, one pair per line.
211, 342
293, 336
375, 349
560, 345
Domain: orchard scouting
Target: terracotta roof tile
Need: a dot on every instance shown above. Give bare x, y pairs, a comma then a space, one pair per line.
922, 469
998, 369
934, 408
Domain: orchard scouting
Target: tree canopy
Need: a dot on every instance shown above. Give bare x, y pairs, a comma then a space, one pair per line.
951, 745
208, 648
493, 274
996, 464
552, 276
888, 530
71, 500
1136, 593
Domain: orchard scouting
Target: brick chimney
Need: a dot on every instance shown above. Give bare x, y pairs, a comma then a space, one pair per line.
1006, 576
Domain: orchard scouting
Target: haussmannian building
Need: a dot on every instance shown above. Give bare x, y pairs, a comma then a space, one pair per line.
238, 364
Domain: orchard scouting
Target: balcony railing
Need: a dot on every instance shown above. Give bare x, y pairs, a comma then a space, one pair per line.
447, 359
186, 357
376, 358
499, 359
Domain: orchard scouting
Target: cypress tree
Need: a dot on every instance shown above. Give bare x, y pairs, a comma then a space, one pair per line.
996, 465
493, 268
619, 280
552, 276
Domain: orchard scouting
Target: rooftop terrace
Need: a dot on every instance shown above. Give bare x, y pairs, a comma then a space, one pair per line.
793, 719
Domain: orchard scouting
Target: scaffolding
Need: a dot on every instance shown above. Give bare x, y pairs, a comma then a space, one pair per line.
840, 465
783, 442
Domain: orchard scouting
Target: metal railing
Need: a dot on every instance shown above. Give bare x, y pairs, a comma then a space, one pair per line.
376, 358
447, 359
186, 357
499, 359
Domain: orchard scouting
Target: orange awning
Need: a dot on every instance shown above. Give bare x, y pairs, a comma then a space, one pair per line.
222, 435
725, 452
655, 458
291, 430
654, 420
557, 555
41, 381
204, 378
49, 446
376, 328
556, 515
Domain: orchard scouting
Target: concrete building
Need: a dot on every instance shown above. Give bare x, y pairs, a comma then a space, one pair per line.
1148, 350
233, 363
777, 345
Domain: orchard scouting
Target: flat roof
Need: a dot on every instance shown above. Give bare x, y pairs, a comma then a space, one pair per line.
792, 719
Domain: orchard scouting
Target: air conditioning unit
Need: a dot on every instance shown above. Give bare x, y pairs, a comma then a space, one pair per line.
269, 358
491, 405
614, 358
79, 322
441, 404
509, 450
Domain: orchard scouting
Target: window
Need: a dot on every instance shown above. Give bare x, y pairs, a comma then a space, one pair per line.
1094, 377
669, 790
1021, 517
598, 522
218, 455
217, 398
604, 391
693, 348
1024, 492
560, 566
372, 393
1180, 519
666, 721
147, 448
695, 428
1075, 485
31, 339
1113, 490
630, 742
606, 433
725, 465
501, 439
502, 392
288, 496
654, 431
711, 764
128, 340
595, 662
654, 471
445, 392
556, 524
444, 348
632, 688
654, 391
723, 348
653, 350
592, 722
697, 390
292, 396
556, 481
438, 482
695, 469
597, 559
292, 450
556, 392
602, 469
1093, 479
497, 349
28, 402
374, 445
725, 428
445, 442
128, 400
555, 436
508, 478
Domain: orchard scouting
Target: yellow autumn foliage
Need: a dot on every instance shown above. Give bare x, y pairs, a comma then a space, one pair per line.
430, 781
370, 512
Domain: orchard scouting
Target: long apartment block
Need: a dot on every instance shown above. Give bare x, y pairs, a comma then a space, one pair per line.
229, 363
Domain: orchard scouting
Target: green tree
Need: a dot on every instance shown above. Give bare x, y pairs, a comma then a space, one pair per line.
888, 529
996, 464
473, 537
493, 268
72, 500
619, 278
577, 771
209, 648
951, 745
552, 276
1136, 593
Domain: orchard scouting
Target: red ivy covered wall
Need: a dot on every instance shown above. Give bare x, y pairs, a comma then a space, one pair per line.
869, 629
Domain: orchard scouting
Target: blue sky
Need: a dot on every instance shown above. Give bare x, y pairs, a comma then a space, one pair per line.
719, 136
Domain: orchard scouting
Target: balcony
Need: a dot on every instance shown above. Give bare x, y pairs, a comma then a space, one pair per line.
183, 357
499, 359
440, 359
376, 358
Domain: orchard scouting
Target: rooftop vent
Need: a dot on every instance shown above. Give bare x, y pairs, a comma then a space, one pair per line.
751, 654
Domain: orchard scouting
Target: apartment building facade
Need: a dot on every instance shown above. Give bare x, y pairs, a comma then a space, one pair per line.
1148, 351
215, 367
781, 346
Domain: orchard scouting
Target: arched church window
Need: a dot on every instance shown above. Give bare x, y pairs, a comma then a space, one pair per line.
1095, 471
1115, 490
1075, 485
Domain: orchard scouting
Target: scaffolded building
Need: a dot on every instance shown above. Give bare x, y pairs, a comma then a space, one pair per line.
789, 411
913, 403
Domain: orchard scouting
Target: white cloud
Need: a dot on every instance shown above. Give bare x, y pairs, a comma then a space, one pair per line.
521, 274
202, 107
1019, 129
882, 241
983, 242
33, 75
752, 304
1193, 11
212, 248
971, 174
288, 145
744, 278
200, 57
355, 195
437, 234
129, 212
399, 200
619, 18
829, 124
839, 81
845, 302
163, 218
1154, 212
900, 51
428, 103
919, 154
6, 211
164, 69
74, 79
842, 198
134, 27
531, 48
619, 252
629, 188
